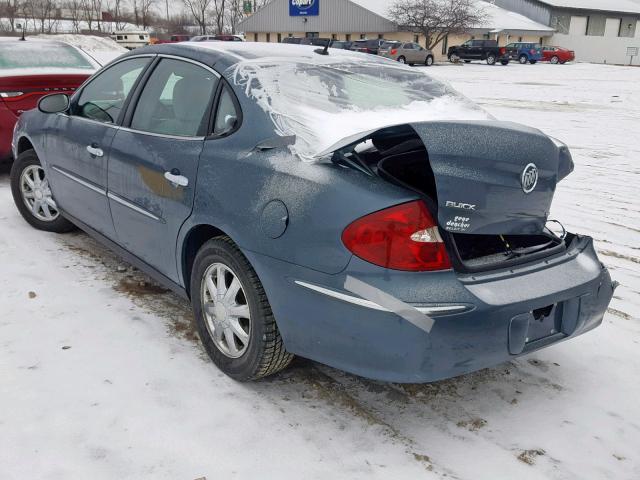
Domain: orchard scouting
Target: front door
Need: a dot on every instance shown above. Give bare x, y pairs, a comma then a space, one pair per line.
79, 144
154, 161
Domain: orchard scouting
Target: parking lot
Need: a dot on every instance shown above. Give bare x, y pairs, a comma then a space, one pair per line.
101, 374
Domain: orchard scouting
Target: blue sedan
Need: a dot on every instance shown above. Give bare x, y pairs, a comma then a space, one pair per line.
321, 203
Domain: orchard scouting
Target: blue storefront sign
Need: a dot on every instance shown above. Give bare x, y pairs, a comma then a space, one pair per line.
304, 8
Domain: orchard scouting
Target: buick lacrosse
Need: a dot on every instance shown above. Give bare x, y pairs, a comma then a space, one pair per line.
314, 202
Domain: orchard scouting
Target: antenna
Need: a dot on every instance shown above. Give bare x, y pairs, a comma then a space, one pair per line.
325, 50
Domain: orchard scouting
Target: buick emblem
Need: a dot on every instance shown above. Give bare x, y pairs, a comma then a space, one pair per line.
529, 178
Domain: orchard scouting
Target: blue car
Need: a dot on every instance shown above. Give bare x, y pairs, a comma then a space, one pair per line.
525, 52
326, 204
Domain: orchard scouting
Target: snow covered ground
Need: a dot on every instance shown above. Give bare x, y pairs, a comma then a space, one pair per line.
101, 376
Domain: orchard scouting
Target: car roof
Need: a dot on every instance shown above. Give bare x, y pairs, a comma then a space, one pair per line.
232, 53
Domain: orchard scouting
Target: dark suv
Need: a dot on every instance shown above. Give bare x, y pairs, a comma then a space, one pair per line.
485, 50
367, 46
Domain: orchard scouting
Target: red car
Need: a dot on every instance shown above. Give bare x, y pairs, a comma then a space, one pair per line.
33, 68
557, 54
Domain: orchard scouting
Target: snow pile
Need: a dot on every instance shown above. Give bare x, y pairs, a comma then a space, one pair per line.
323, 101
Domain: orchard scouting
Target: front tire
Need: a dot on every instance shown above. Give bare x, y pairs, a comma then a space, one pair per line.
523, 59
32, 195
429, 61
401, 59
233, 316
555, 59
532, 62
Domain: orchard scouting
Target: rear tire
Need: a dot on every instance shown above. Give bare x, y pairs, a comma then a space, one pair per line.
532, 62
491, 59
238, 329
401, 59
504, 62
467, 61
429, 61
523, 59
32, 195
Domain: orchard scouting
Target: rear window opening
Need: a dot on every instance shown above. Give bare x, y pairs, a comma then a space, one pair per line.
398, 155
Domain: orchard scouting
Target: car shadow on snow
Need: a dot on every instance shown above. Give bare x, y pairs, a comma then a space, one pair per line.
458, 405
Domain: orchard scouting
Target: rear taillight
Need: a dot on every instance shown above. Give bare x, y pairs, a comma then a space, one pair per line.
502, 51
394, 51
404, 237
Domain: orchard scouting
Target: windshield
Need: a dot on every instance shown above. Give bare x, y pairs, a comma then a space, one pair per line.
41, 55
324, 101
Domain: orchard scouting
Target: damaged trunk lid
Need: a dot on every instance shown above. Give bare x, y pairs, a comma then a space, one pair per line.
493, 178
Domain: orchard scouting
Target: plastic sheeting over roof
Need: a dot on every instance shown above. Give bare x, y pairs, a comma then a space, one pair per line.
321, 100
497, 18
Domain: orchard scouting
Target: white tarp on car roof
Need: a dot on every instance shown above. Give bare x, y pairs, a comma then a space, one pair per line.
325, 99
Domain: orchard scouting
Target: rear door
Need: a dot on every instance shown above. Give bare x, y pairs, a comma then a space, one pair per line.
154, 160
78, 144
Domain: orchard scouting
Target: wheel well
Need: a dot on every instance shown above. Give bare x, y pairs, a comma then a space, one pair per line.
23, 145
197, 237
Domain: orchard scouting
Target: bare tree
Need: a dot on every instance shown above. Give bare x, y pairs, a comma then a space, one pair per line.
235, 13
73, 9
43, 13
219, 13
435, 19
10, 10
199, 9
145, 9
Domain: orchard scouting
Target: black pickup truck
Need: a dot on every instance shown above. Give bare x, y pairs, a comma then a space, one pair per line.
485, 50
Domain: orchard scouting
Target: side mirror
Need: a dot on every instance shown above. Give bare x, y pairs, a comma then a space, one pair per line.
54, 103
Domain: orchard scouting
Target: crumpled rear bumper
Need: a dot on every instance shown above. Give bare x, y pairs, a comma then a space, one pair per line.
505, 314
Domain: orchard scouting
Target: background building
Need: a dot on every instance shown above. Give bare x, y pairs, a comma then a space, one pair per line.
356, 19
599, 31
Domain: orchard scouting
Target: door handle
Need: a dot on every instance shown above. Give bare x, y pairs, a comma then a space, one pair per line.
176, 179
94, 150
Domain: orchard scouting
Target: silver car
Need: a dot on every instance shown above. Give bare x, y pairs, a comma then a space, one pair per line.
410, 53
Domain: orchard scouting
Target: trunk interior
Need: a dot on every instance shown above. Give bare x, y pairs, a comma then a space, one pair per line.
399, 156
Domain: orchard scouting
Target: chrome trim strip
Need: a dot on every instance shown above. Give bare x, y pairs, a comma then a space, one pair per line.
80, 181
132, 206
161, 135
361, 302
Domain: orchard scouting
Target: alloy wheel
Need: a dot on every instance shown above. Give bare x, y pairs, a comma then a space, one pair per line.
523, 59
226, 311
402, 60
554, 59
36, 194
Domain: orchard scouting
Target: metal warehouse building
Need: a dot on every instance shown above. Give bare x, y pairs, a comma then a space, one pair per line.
356, 19
602, 31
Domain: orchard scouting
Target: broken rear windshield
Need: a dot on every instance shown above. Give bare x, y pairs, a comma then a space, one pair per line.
323, 101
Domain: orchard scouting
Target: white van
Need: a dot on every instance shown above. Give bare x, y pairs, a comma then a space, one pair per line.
131, 38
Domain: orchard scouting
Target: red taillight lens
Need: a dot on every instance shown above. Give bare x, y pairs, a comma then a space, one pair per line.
502, 50
404, 237
394, 51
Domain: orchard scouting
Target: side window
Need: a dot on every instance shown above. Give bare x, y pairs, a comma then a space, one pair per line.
227, 116
103, 98
175, 99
